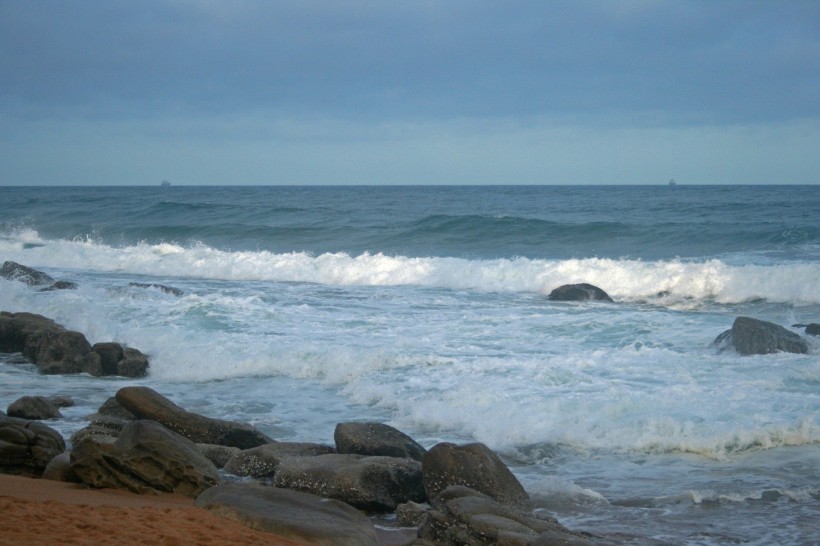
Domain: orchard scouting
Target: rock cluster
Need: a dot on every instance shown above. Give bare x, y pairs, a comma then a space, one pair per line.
55, 350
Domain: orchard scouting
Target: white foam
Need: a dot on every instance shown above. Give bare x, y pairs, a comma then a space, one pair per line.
670, 282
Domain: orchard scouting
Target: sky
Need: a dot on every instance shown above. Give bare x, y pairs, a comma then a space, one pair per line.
207, 92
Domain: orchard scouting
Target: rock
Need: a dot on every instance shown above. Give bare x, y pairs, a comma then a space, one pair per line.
26, 447
474, 466
219, 455
55, 350
376, 439
17, 272
375, 484
162, 287
101, 429
33, 407
61, 401
146, 458
146, 403
261, 462
112, 408
298, 516
58, 469
110, 355
463, 516
579, 292
813, 329
60, 285
749, 336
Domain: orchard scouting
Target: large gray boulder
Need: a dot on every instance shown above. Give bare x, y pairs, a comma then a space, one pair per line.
579, 292
475, 466
26, 447
33, 277
33, 407
261, 462
301, 517
55, 350
375, 484
376, 439
749, 336
146, 403
145, 458
462, 516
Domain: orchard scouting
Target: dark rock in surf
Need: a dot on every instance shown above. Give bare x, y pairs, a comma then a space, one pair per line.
145, 458
375, 484
376, 439
299, 516
749, 336
60, 285
579, 292
55, 350
813, 329
26, 446
146, 403
34, 408
460, 515
167, 289
475, 466
261, 462
27, 275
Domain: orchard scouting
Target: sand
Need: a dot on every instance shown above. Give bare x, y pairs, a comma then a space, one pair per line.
34, 512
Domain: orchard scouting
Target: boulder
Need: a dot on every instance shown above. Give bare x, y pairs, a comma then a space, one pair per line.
579, 292
26, 447
219, 455
813, 329
55, 350
298, 516
58, 469
102, 428
375, 439
33, 407
474, 466
146, 403
375, 484
17, 272
146, 458
261, 462
463, 516
749, 336
60, 285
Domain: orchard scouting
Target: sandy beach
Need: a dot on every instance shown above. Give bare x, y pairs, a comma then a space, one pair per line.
36, 511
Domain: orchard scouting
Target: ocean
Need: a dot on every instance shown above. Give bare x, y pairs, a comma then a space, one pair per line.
425, 308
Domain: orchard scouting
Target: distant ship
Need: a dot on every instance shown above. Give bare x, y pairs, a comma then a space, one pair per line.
672, 182
165, 183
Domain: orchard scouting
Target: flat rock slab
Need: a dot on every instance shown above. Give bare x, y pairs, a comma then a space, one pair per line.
291, 514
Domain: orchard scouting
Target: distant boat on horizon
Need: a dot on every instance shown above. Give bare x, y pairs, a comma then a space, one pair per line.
672, 182
165, 183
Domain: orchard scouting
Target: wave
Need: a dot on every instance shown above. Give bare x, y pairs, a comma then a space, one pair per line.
667, 282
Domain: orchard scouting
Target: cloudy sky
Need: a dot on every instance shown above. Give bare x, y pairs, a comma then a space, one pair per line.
409, 92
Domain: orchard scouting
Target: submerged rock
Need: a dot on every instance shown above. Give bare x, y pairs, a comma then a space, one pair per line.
301, 517
167, 289
579, 292
749, 336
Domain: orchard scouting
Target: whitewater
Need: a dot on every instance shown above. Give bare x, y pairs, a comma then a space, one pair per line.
426, 308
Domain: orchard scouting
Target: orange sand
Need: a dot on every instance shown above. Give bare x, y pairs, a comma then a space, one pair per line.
34, 512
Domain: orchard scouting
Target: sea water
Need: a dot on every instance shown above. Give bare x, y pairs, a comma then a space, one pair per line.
426, 308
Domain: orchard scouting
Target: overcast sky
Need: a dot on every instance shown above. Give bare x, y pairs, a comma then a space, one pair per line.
409, 92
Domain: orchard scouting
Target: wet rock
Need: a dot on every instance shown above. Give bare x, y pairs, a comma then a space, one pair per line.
749, 336
145, 458
17, 272
375, 484
301, 517
26, 446
813, 329
167, 289
376, 439
261, 462
579, 292
463, 516
146, 403
60, 285
219, 455
475, 466
33, 407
